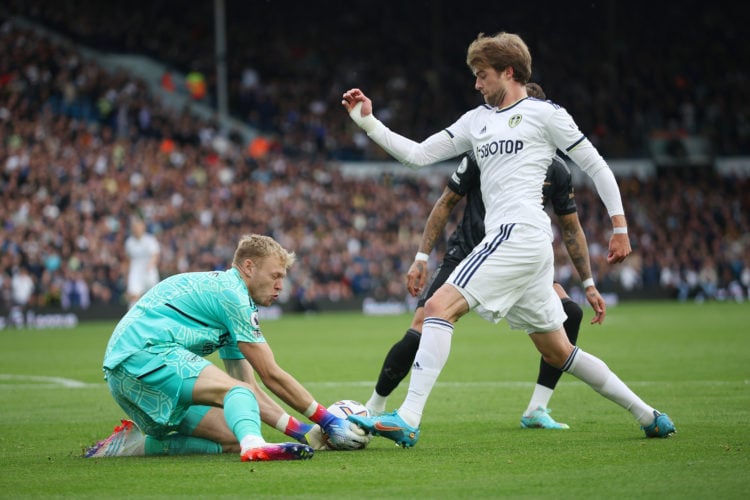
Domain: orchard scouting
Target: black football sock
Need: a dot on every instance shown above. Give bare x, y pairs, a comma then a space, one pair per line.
398, 362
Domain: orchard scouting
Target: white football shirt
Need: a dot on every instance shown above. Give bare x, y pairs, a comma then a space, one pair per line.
513, 147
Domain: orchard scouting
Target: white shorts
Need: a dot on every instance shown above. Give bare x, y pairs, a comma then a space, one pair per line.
509, 275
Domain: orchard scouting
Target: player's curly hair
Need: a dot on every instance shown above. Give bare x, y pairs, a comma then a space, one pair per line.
499, 52
258, 246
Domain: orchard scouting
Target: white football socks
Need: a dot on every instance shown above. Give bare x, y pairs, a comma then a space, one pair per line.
376, 403
540, 397
250, 441
597, 374
434, 348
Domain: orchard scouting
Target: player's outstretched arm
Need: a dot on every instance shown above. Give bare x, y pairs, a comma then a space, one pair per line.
437, 147
341, 433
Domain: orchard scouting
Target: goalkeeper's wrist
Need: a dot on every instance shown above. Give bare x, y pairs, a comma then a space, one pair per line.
367, 123
293, 427
319, 414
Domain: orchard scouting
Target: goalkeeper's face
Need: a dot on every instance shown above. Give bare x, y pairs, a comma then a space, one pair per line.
265, 279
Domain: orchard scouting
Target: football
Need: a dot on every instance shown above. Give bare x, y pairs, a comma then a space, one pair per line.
347, 407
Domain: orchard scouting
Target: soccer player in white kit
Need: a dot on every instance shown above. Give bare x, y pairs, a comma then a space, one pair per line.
510, 273
142, 249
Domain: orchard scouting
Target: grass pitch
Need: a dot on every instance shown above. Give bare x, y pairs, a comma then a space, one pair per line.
688, 360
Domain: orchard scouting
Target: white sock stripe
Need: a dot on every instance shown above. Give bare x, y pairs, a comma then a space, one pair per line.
438, 322
569, 361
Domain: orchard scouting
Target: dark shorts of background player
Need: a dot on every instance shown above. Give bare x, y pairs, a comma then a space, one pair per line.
439, 276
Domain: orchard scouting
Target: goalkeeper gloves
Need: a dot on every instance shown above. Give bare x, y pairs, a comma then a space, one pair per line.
339, 433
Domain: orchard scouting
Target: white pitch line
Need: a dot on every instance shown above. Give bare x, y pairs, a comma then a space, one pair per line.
41, 381
49, 382
516, 384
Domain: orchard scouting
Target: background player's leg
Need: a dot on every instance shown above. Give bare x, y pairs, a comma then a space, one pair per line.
537, 413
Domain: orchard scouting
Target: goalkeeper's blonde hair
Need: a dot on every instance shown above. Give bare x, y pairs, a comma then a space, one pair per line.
258, 246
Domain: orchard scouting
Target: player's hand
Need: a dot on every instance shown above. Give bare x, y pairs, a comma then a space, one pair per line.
354, 96
315, 438
597, 303
416, 277
345, 435
619, 248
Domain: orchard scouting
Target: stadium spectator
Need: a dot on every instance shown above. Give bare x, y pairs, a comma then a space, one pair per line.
75, 293
143, 252
22, 287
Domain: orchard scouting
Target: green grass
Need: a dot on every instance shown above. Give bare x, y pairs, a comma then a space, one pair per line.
688, 360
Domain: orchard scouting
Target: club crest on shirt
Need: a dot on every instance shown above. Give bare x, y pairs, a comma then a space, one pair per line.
514, 120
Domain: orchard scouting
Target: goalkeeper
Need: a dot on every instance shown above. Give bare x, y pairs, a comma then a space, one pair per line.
179, 402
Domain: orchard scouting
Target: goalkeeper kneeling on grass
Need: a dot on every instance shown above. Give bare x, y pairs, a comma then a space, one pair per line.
180, 403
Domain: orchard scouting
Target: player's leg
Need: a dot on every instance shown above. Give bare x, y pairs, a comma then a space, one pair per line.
149, 388
441, 311
401, 356
537, 415
159, 391
402, 426
497, 270
208, 424
189, 440
242, 416
396, 364
558, 351
540, 312
271, 412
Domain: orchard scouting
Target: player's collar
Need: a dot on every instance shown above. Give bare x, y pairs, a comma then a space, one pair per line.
510, 106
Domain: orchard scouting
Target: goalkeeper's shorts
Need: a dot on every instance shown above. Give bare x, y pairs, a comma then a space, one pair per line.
155, 389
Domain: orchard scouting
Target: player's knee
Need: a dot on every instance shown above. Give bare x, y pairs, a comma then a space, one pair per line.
554, 347
557, 356
447, 304
574, 312
417, 320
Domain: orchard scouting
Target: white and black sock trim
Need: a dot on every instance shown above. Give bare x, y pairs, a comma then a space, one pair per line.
568, 362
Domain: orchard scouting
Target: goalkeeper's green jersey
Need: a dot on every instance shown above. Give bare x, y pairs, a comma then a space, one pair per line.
201, 312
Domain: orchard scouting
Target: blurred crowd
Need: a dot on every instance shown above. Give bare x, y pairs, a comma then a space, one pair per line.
625, 70
84, 151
